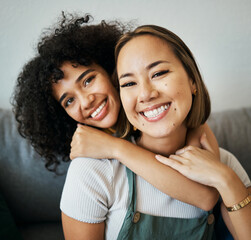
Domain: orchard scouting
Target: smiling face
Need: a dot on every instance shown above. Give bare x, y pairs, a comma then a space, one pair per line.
87, 95
155, 90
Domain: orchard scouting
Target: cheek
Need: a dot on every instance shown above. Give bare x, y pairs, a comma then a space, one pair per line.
183, 102
74, 115
124, 101
127, 103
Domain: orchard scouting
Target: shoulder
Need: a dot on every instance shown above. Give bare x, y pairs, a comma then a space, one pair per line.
89, 189
83, 167
231, 161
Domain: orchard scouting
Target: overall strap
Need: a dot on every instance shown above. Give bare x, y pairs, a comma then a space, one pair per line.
126, 226
132, 189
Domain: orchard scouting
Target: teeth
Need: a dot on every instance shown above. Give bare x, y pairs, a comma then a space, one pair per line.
156, 112
97, 111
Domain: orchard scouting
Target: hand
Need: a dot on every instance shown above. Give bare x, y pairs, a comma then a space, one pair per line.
200, 165
91, 142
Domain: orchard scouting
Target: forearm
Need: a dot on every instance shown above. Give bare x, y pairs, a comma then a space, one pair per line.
164, 178
233, 191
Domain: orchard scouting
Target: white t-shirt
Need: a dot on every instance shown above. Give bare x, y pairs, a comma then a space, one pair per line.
97, 190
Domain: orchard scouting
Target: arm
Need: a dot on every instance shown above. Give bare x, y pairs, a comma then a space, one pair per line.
238, 222
85, 199
200, 165
76, 230
143, 163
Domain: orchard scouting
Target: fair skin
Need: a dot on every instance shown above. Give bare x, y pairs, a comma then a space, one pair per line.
81, 93
189, 162
156, 93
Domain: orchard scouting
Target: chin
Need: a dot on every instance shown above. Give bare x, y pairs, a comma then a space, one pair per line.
162, 132
159, 133
108, 124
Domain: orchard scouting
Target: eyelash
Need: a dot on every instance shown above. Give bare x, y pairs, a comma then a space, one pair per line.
88, 80
160, 73
129, 84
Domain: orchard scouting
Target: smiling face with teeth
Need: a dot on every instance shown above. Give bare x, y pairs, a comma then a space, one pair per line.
87, 95
155, 89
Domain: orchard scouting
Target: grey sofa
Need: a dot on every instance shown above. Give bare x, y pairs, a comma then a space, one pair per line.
33, 193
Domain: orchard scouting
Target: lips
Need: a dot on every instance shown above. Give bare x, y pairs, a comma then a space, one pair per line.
98, 109
156, 113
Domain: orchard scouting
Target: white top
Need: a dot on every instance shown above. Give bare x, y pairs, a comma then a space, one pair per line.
97, 190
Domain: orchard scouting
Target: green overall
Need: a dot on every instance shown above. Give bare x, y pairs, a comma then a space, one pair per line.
137, 226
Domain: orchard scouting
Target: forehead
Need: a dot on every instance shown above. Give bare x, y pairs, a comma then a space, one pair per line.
144, 49
149, 41
70, 69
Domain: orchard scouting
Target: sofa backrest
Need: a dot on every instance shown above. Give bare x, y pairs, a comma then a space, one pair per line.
33, 193
30, 190
232, 129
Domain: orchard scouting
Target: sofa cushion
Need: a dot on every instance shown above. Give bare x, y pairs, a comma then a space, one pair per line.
42, 231
8, 228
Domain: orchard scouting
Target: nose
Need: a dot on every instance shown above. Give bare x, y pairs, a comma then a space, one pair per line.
86, 101
147, 92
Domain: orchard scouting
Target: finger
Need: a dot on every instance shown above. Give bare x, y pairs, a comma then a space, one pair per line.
176, 165
205, 144
181, 159
184, 149
71, 156
167, 161
80, 126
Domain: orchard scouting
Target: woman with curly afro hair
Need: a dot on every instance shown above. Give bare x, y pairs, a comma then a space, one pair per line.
41, 118
68, 82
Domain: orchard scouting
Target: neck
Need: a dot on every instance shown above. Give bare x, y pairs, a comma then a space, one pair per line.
165, 145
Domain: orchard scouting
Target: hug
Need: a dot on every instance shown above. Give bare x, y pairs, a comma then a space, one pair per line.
130, 109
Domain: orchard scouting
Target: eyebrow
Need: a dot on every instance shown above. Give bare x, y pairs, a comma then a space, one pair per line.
151, 65
81, 76
148, 67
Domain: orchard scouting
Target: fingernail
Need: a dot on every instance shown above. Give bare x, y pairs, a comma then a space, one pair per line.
180, 151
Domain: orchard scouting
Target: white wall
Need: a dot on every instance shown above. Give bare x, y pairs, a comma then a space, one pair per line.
217, 31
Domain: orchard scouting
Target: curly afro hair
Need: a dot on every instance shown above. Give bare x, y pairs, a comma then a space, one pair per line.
40, 117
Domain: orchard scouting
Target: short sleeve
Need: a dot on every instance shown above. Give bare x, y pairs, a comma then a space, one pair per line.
87, 193
230, 160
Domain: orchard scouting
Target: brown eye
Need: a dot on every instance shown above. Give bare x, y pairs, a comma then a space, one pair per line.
88, 80
68, 102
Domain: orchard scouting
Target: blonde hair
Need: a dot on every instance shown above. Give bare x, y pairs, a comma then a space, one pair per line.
201, 106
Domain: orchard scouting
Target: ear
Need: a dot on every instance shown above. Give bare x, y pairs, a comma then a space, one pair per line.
193, 86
